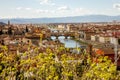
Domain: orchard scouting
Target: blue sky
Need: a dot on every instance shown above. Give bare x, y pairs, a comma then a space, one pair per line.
57, 8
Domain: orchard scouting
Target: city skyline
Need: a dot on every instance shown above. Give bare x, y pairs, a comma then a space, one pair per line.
57, 8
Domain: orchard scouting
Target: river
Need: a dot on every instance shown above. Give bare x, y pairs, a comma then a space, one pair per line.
69, 43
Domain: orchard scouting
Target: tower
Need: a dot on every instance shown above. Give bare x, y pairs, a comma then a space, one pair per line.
8, 23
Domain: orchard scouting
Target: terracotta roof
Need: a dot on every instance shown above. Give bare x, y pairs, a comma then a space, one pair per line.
108, 50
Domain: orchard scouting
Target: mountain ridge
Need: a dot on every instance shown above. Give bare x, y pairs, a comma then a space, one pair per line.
71, 19
1, 23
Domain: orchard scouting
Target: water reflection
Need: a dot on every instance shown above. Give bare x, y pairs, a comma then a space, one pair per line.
68, 42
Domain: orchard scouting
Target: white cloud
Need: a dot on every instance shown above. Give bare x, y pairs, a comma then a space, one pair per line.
47, 2
9, 17
79, 9
82, 11
19, 8
44, 1
52, 4
57, 12
63, 8
42, 11
28, 8
117, 6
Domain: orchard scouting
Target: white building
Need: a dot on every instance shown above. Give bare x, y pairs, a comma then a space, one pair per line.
114, 41
93, 38
104, 39
61, 27
68, 27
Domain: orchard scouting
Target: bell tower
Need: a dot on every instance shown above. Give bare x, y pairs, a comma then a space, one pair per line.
8, 23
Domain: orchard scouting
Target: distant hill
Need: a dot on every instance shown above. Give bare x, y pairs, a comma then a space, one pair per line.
74, 19
1, 23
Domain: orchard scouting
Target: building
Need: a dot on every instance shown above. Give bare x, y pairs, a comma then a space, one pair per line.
104, 39
115, 41
61, 27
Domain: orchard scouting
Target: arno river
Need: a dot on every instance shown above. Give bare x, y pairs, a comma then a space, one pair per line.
69, 43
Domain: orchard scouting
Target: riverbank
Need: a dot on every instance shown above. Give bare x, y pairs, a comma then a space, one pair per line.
81, 42
69, 43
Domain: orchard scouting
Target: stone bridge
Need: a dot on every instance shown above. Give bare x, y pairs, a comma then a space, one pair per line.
64, 33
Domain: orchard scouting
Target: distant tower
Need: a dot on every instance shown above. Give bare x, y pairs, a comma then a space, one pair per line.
8, 23
27, 29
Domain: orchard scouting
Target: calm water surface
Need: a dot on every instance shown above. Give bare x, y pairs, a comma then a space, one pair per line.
69, 43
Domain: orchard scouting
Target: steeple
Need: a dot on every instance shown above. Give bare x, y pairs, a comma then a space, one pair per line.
8, 23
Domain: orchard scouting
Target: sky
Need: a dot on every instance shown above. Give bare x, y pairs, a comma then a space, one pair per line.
57, 8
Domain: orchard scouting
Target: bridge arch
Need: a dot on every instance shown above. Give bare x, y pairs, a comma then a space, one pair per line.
64, 33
